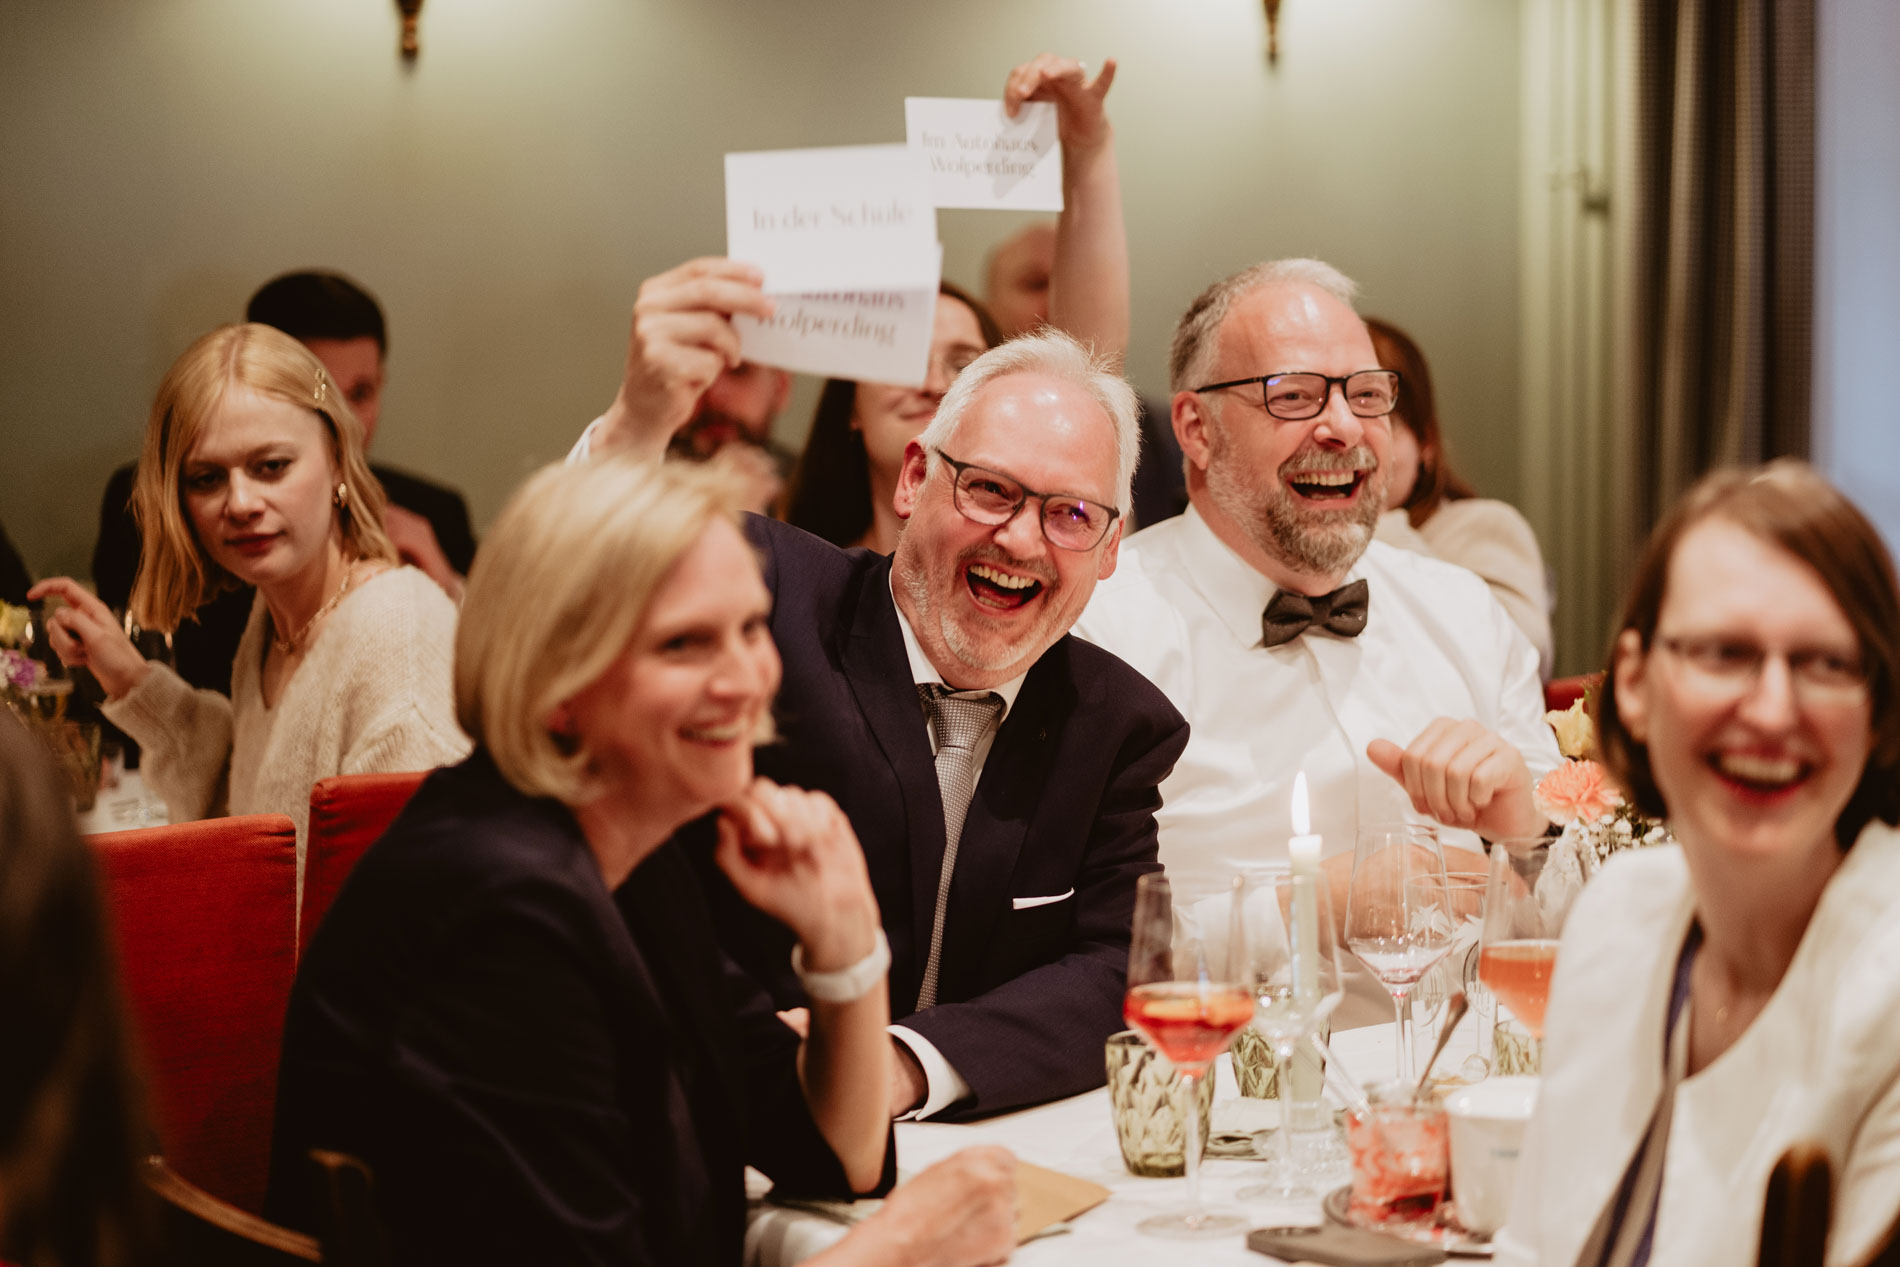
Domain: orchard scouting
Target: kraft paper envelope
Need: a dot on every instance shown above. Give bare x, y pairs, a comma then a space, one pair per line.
1046, 1197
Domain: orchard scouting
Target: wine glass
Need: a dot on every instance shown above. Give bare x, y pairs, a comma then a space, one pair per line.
1524, 914
1296, 986
1458, 970
1400, 918
1187, 994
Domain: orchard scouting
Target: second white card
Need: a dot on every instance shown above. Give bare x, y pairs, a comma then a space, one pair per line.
980, 157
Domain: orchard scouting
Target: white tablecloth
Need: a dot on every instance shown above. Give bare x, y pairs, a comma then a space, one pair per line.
1077, 1137
126, 804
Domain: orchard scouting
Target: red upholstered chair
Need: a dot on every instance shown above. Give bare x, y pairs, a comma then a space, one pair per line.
347, 814
1561, 693
204, 915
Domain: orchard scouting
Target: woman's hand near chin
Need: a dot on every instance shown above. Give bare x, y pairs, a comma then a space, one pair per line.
85, 632
792, 854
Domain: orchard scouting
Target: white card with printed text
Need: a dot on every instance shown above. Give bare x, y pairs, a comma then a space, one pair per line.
870, 336
980, 157
821, 221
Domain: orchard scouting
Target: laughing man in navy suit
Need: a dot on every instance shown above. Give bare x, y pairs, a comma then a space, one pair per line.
1013, 500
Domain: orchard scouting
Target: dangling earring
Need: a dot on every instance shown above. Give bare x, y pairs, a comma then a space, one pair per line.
342, 496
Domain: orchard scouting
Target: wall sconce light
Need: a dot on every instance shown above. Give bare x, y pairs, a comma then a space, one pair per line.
1273, 32
412, 14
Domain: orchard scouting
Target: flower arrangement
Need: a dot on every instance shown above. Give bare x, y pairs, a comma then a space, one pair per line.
16, 624
1578, 797
21, 676
31, 692
19, 671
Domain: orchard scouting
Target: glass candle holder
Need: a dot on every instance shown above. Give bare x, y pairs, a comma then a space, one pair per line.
1257, 1068
1515, 1051
1143, 1092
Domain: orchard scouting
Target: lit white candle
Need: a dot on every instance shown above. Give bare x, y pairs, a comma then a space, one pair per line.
1304, 849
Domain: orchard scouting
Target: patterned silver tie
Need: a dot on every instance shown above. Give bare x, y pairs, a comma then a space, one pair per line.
959, 724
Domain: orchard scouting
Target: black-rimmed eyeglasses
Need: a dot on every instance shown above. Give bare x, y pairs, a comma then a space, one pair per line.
991, 498
1298, 396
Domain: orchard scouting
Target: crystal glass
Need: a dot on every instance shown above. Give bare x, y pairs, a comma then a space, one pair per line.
1401, 1156
1187, 994
1399, 917
1458, 970
1524, 914
1144, 1096
1296, 986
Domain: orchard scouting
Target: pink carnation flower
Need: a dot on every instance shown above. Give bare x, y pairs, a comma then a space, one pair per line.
1576, 791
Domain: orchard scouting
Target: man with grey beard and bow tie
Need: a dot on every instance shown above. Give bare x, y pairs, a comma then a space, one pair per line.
1292, 641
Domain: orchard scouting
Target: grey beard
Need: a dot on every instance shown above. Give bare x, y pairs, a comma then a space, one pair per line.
1305, 542
1327, 548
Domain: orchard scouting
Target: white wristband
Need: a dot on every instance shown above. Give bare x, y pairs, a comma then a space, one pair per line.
846, 985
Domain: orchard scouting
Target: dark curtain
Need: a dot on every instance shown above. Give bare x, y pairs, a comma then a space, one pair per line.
1715, 316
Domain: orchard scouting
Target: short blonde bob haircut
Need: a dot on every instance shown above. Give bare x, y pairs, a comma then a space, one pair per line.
560, 586
176, 575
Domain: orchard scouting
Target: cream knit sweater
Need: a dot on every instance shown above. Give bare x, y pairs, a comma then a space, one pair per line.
374, 694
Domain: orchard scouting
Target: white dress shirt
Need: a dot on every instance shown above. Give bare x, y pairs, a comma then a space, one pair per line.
945, 1085
1494, 540
1186, 611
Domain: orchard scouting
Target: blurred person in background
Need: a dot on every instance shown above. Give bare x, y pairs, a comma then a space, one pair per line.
1431, 509
427, 523
253, 474
72, 1128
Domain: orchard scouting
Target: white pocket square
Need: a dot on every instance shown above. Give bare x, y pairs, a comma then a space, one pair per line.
1025, 903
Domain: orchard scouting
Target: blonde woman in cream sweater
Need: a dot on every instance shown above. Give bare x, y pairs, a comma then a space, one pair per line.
253, 472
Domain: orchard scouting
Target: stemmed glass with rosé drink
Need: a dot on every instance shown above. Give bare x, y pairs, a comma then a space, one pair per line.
1188, 995
1524, 912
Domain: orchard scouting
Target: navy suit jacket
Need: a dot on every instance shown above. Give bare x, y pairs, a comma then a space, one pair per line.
535, 1070
1064, 810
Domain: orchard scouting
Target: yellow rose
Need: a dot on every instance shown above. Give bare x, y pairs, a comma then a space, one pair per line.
13, 623
1576, 733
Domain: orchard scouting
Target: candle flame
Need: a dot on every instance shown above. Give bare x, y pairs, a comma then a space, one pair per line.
1302, 821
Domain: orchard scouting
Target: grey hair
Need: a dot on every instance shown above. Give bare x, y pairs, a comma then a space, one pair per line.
1056, 354
1197, 337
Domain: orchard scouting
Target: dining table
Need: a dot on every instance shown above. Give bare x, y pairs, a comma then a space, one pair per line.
123, 802
1076, 1136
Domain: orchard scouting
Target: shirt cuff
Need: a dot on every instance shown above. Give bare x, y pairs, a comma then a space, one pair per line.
583, 447
943, 1085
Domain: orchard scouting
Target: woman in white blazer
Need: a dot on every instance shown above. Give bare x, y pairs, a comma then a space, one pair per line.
1718, 1001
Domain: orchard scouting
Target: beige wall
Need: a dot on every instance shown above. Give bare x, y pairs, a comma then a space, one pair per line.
506, 194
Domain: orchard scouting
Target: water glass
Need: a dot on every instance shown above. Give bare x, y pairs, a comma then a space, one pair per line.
1144, 1095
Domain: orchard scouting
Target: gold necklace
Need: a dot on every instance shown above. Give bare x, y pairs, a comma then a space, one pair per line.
288, 646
